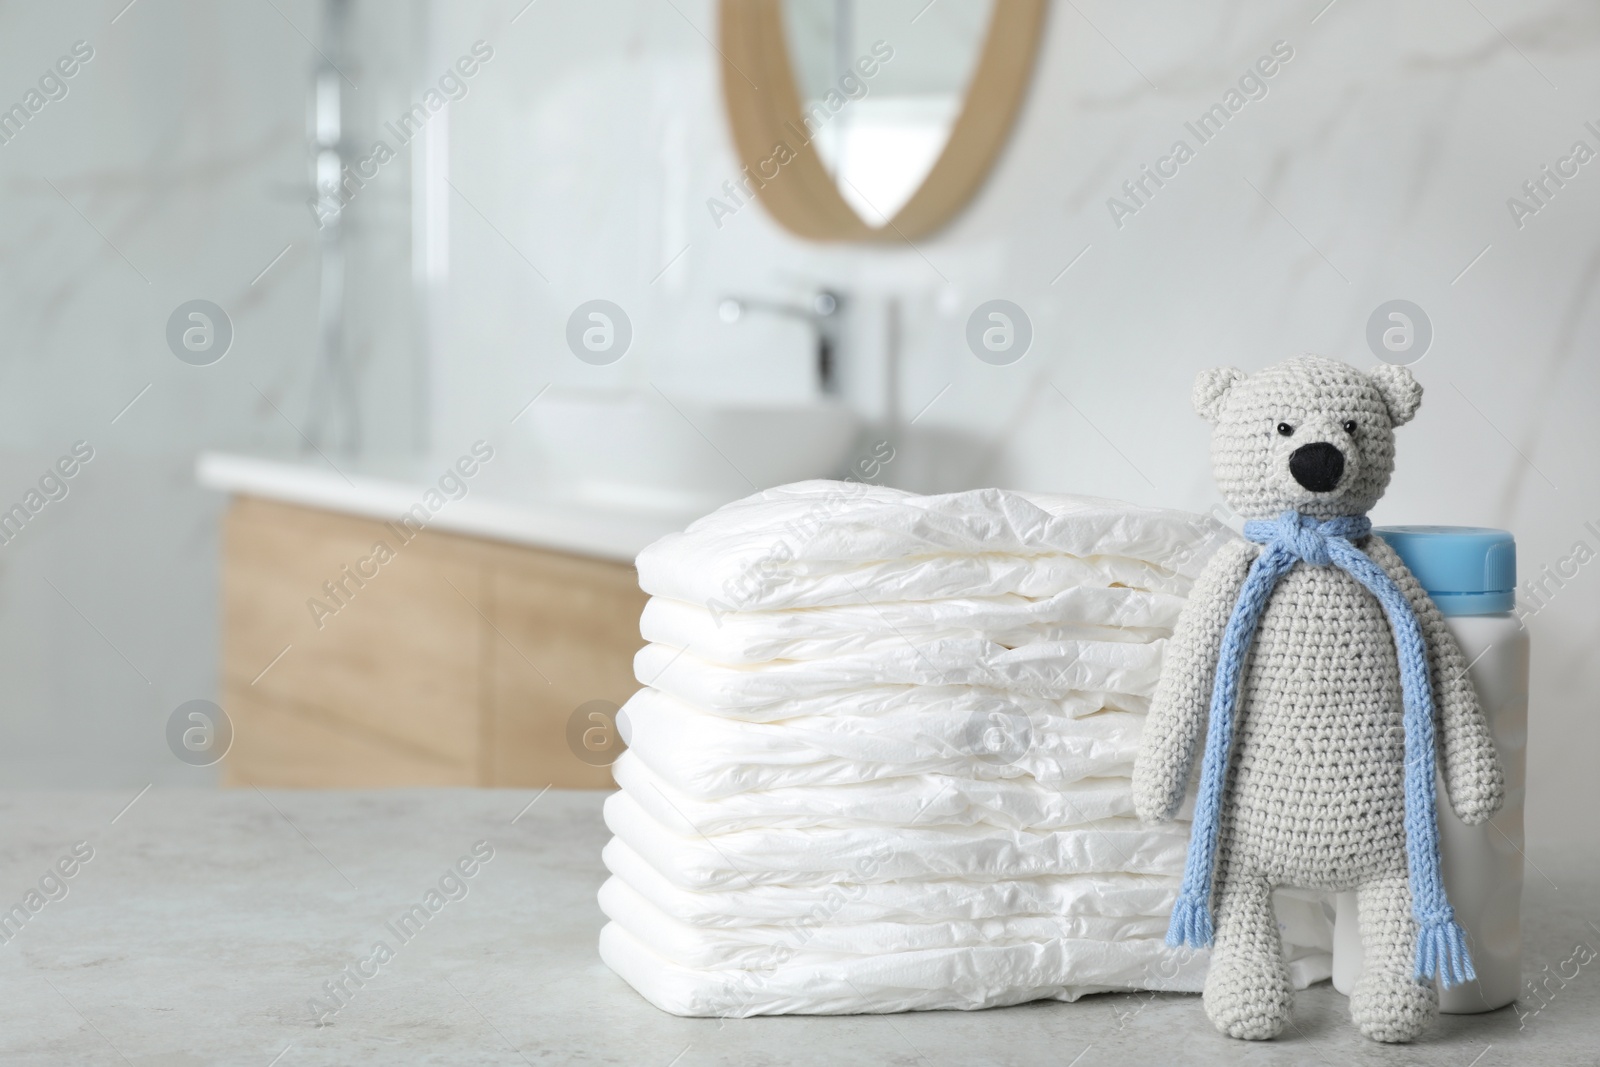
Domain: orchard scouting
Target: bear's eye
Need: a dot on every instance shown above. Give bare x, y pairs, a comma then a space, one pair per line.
1350, 427
1284, 429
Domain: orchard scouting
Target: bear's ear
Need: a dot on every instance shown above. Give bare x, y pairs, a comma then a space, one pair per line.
1402, 393
1210, 388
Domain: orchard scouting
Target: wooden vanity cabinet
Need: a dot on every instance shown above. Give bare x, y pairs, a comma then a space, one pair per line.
438, 660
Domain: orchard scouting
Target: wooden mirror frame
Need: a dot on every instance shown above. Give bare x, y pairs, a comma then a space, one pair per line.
782, 164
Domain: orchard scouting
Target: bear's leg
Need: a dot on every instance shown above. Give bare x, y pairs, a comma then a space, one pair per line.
1247, 993
1389, 1003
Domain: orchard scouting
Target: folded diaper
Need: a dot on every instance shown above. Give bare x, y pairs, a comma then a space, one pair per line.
1116, 894
825, 855
1088, 612
840, 522
1048, 669
973, 733
824, 543
892, 699
933, 799
968, 977
759, 585
751, 946
881, 760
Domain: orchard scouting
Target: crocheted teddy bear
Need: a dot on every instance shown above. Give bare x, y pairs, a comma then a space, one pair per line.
1325, 683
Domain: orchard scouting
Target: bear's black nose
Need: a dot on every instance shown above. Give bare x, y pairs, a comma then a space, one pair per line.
1317, 466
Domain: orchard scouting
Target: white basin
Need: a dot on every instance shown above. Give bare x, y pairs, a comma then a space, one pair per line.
642, 448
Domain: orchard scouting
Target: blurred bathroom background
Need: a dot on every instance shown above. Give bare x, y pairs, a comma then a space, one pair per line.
588, 157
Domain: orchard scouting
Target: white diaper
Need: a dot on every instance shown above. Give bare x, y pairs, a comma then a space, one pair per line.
971, 733
822, 543
1090, 613
1049, 670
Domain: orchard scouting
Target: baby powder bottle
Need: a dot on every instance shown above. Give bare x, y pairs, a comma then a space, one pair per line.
1471, 573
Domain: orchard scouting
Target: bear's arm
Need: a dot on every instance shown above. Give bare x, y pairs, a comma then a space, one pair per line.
1183, 696
1472, 773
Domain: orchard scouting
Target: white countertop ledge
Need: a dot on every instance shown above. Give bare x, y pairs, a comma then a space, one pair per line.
486, 511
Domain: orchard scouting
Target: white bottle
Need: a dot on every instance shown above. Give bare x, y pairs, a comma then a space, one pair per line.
1471, 574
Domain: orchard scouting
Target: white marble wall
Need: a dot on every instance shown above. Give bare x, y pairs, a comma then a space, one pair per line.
1378, 166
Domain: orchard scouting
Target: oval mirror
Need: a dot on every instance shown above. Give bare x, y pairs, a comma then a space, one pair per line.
872, 119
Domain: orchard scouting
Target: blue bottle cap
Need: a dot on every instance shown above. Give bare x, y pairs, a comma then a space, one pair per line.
1467, 570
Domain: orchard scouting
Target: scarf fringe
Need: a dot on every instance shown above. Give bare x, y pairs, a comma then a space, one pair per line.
1442, 950
1191, 924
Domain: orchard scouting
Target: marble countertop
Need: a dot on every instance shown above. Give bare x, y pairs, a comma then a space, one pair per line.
497, 503
205, 921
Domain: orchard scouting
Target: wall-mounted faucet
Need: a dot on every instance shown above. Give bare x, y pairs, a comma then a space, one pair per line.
823, 315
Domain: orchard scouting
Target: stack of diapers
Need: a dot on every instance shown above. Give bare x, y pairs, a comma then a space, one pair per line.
882, 757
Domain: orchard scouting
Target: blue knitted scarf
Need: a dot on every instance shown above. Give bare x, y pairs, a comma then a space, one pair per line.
1293, 538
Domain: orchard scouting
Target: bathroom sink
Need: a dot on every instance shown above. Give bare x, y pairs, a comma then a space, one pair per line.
643, 448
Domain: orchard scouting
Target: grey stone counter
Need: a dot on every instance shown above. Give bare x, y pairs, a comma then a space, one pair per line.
205, 921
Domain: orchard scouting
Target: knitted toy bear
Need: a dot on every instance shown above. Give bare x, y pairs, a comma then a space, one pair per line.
1313, 661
